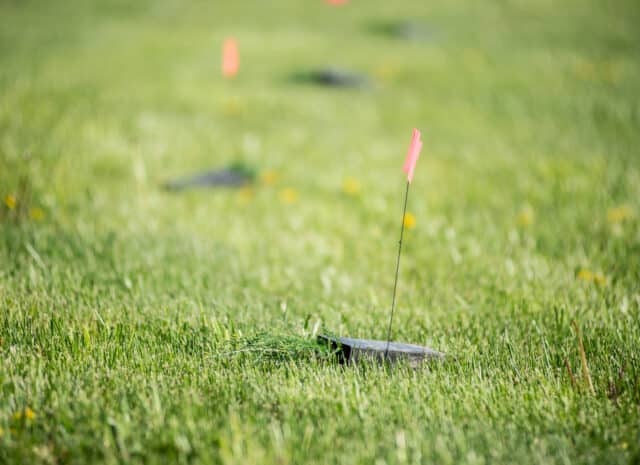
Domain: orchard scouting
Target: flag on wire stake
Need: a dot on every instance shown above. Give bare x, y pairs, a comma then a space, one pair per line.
350, 350
409, 167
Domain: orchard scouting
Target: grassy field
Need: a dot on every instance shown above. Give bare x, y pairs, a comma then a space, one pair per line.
140, 326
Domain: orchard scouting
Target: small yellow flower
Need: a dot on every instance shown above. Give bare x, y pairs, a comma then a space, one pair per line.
10, 201
624, 445
29, 414
526, 216
351, 186
585, 275
409, 220
245, 194
233, 107
590, 276
619, 214
26, 413
385, 72
36, 214
288, 195
599, 278
269, 177
1, 431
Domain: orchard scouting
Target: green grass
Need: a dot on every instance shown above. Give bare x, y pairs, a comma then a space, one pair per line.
141, 326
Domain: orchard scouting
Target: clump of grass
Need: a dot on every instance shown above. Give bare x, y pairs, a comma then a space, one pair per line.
269, 347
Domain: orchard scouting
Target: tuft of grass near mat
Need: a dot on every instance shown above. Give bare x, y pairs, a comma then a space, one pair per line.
278, 348
142, 326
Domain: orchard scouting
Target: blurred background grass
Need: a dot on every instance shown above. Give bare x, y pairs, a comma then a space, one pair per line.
525, 200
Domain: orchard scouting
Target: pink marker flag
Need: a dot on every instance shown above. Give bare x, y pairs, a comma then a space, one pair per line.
412, 155
230, 58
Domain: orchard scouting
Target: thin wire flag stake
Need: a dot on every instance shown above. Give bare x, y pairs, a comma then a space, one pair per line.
409, 166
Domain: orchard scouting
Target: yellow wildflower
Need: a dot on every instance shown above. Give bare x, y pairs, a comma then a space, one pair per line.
245, 194
10, 201
599, 278
591, 276
29, 414
585, 275
26, 413
619, 214
351, 186
1, 431
526, 216
36, 214
409, 220
269, 177
385, 72
233, 107
288, 195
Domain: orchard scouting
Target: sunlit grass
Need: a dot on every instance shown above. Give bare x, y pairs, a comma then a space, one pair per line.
138, 325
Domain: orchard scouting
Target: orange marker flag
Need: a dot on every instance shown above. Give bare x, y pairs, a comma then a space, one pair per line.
336, 2
412, 155
230, 58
